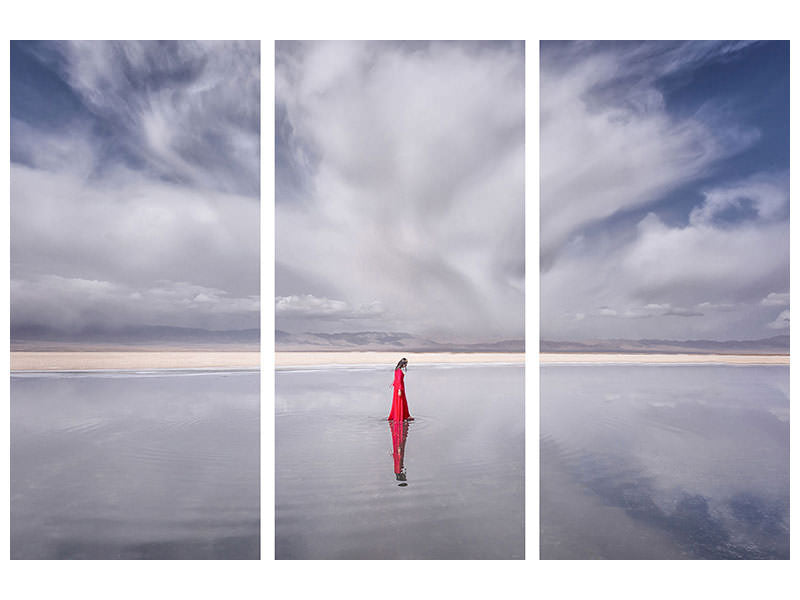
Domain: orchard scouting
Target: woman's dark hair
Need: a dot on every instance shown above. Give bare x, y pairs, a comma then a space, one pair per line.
402, 363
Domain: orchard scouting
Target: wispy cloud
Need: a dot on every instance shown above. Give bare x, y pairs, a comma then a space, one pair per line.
400, 172
608, 142
638, 214
762, 198
186, 112
138, 202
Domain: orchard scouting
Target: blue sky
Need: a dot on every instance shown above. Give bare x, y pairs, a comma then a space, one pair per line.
664, 190
400, 188
134, 185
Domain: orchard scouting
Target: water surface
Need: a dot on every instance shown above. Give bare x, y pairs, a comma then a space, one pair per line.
664, 462
448, 485
127, 465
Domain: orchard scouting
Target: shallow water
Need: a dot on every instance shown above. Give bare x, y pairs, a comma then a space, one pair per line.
124, 465
460, 493
664, 462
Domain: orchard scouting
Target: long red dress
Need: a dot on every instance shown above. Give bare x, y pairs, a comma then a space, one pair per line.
399, 404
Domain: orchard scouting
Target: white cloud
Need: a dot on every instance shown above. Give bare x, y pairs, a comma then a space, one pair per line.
136, 231
139, 205
73, 304
610, 150
718, 272
699, 261
765, 195
776, 299
190, 110
308, 306
781, 321
716, 306
411, 158
603, 155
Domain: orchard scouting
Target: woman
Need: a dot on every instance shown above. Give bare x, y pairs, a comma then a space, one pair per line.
399, 403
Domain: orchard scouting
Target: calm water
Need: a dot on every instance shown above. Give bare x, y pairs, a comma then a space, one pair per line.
459, 493
664, 462
127, 465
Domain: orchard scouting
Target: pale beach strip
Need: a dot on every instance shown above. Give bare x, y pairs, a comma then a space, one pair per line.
663, 359
317, 359
90, 361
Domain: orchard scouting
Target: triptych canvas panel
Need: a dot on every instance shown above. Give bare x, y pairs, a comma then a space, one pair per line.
400, 396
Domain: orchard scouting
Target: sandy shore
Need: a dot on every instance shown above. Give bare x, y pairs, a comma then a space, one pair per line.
726, 359
87, 361
305, 359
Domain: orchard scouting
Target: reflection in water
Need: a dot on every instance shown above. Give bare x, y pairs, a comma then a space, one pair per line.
399, 431
135, 466
664, 462
333, 499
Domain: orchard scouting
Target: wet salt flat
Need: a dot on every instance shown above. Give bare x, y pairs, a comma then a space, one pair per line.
664, 462
448, 485
135, 465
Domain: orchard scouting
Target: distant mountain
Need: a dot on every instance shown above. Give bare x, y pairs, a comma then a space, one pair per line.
44, 338
778, 344
382, 340
158, 337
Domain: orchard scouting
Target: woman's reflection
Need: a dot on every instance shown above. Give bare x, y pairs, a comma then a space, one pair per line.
399, 431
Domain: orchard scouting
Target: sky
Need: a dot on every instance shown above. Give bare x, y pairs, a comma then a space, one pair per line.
400, 188
664, 183
134, 185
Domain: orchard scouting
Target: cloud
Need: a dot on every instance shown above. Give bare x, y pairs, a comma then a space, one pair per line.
310, 306
659, 310
716, 306
608, 143
776, 299
636, 216
138, 205
131, 230
762, 195
400, 180
704, 261
185, 111
698, 270
75, 304
781, 321
682, 312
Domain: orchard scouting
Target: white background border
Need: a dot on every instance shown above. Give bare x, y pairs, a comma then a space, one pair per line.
411, 19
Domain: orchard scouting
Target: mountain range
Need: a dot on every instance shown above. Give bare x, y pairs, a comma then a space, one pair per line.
42, 338
381, 340
34, 337
778, 344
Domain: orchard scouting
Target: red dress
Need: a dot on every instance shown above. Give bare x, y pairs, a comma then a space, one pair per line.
399, 404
